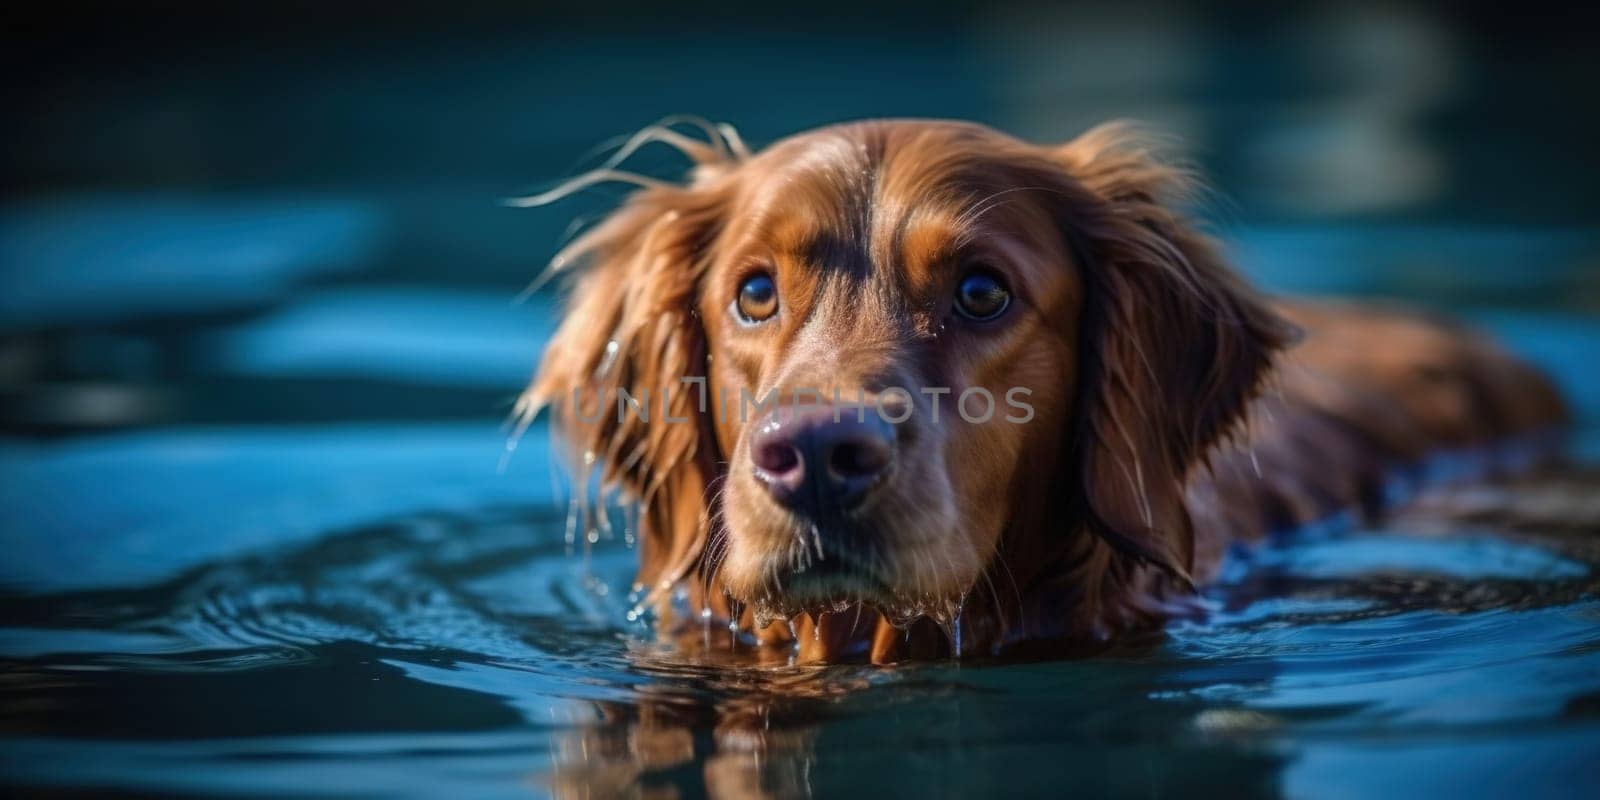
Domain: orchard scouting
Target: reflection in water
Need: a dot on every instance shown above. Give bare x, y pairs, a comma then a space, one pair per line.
758, 739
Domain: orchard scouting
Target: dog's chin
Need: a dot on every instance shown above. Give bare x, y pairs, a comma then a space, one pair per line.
781, 566
830, 584
838, 583
807, 583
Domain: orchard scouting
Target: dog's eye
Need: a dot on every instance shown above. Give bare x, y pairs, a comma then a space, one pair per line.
981, 296
758, 298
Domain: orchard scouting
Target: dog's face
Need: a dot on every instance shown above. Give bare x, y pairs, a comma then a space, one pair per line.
910, 306
900, 356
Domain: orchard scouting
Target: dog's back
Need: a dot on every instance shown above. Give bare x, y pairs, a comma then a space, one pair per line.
1371, 407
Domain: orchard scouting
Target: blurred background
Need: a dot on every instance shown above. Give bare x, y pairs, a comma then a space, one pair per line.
291, 213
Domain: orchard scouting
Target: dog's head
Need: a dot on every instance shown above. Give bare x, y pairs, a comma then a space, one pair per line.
881, 362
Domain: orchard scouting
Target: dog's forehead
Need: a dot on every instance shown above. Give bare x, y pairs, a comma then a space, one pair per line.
874, 198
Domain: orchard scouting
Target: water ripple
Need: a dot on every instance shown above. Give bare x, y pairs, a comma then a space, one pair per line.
481, 629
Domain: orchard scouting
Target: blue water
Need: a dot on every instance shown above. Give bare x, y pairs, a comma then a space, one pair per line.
392, 608
261, 533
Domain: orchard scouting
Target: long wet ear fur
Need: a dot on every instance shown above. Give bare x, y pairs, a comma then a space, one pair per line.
1174, 346
630, 326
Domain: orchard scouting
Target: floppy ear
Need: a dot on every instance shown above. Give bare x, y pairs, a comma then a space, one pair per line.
1175, 345
630, 325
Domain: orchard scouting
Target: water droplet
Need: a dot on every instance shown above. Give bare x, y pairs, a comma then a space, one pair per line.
610, 358
763, 617
735, 611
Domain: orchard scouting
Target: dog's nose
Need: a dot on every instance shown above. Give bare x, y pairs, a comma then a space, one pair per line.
819, 458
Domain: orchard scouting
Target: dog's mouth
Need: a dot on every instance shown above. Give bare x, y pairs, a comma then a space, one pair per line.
835, 580
827, 575
888, 556
821, 578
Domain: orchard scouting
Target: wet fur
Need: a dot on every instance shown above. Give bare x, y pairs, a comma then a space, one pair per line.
1182, 411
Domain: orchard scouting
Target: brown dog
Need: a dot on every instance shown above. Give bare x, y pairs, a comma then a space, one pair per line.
889, 282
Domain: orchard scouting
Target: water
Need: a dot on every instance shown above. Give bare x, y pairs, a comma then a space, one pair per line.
259, 533
379, 610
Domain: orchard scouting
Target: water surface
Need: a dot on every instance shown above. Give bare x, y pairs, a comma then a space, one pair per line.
382, 610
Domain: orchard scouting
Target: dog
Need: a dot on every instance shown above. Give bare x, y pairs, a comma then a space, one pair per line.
902, 389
